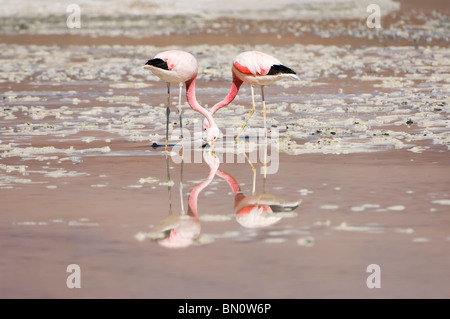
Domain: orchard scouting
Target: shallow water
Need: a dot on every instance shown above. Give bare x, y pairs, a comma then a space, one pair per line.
399, 107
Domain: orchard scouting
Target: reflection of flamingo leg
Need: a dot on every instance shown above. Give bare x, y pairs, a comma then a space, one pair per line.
265, 139
254, 173
169, 187
167, 115
181, 176
181, 187
265, 164
179, 109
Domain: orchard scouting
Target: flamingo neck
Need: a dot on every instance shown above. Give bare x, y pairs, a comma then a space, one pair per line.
192, 100
235, 188
234, 89
193, 196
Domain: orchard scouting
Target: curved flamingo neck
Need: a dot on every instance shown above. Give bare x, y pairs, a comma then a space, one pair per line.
192, 100
235, 188
193, 196
234, 89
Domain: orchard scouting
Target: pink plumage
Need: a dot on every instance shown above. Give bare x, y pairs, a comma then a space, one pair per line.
254, 63
254, 68
256, 210
182, 66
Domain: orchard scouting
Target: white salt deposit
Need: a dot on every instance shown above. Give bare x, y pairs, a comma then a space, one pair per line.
442, 201
253, 9
306, 241
329, 207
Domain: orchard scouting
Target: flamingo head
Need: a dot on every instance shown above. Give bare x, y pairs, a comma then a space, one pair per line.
212, 133
205, 124
212, 160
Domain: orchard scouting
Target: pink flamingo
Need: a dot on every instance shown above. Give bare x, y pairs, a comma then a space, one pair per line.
254, 68
182, 230
257, 210
176, 66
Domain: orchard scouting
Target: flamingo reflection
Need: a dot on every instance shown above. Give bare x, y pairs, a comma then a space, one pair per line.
257, 210
182, 230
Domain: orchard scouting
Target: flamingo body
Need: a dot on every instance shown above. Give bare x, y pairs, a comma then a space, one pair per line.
258, 210
258, 68
177, 231
256, 216
254, 68
173, 66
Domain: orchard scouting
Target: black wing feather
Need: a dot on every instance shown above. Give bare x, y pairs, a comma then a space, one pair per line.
159, 63
279, 68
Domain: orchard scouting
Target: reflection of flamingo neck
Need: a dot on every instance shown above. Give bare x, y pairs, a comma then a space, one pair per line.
235, 188
193, 196
192, 100
234, 89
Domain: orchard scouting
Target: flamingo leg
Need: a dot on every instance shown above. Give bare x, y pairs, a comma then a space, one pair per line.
264, 107
179, 109
265, 165
251, 113
167, 115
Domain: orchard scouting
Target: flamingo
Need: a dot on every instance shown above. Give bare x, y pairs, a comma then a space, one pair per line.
177, 66
257, 210
182, 230
254, 68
